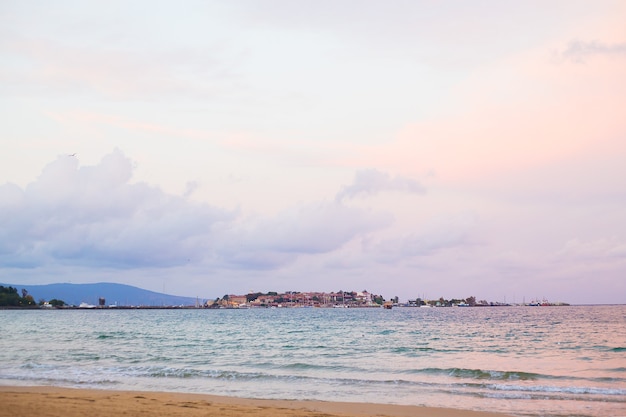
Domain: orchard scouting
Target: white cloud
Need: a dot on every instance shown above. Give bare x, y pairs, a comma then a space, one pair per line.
372, 181
93, 216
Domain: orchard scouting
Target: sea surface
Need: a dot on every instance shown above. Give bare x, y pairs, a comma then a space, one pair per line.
526, 361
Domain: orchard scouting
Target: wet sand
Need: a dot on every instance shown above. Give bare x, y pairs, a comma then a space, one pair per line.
66, 402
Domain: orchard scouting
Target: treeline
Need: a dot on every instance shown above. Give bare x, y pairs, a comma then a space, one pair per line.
442, 302
10, 297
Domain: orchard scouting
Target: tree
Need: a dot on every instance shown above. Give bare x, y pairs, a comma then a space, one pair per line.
252, 296
9, 296
28, 300
56, 303
378, 299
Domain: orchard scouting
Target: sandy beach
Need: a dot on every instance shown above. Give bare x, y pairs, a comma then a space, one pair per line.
56, 402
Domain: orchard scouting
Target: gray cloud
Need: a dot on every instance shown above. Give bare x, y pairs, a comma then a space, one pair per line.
190, 188
372, 181
96, 217
93, 216
578, 51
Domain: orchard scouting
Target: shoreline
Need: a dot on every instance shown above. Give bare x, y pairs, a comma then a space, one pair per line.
52, 401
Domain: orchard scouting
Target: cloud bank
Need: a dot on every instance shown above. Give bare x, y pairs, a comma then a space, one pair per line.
93, 216
96, 217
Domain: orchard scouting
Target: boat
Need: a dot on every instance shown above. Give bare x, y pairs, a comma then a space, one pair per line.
85, 305
388, 305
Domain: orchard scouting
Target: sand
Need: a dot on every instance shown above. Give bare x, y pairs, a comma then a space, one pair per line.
66, 402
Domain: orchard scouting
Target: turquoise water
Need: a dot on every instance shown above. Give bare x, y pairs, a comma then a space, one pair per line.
520, 360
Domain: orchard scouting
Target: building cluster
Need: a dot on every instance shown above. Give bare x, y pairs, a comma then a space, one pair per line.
298, 299
346, 299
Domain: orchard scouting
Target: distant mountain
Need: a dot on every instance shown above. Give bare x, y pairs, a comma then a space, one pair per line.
120, 294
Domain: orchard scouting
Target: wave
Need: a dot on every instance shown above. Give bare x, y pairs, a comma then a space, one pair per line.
485, 384
63, 381
608, 348
57, 375
561, 389
308, 366
480, 374
312, 370
113, 335
496, 375
183, 373
418, 350
438, 350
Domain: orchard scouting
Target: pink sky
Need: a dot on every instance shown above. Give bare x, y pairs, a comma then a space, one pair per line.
411, 149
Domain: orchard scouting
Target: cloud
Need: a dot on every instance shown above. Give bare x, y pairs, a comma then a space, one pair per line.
600, 249
372, 181
94, 216
439, 235
310, 229
190, 188
577, 51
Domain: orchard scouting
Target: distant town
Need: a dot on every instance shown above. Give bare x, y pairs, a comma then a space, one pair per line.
347, 299
11, 298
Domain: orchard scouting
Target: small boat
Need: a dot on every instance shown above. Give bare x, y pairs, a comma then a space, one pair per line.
85, 305
388, 305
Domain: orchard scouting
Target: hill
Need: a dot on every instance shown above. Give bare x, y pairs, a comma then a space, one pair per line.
120, 294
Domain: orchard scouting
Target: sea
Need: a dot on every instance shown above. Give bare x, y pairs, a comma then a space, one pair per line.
524, 361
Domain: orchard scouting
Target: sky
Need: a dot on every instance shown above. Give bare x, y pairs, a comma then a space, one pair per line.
407, 148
